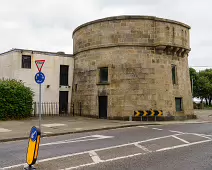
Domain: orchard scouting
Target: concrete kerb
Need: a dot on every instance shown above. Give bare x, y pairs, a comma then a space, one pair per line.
79, 131
103, 128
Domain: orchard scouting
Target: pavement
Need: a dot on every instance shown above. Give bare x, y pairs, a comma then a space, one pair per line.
52, 126
149, 147
204, 115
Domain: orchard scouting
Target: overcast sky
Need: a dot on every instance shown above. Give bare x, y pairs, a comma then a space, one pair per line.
47, 25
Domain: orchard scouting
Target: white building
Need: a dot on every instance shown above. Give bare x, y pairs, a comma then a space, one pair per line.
58, 68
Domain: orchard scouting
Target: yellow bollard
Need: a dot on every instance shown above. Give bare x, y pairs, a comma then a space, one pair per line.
33, 147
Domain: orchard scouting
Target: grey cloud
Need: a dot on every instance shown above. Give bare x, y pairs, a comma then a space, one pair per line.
128, 3
48, 24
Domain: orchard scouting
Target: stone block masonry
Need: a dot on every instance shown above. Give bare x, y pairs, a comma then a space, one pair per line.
139, 52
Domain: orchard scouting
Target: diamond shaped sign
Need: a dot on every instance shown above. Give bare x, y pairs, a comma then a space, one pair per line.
39, 64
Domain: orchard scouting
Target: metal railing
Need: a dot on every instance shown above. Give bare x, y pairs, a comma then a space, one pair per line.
57, 109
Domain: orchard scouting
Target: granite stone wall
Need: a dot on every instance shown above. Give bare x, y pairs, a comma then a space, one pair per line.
139, 52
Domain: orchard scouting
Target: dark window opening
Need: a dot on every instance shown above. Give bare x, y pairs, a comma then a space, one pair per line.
63, 102
103, 105
179, 104
103, 75
174, 74
64, 75
26, 61
75, 87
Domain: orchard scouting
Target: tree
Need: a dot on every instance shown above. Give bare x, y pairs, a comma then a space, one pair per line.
208, 75
194, 78
202, 84
15, 100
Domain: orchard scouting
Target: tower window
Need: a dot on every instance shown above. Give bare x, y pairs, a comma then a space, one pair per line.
75, 87
103, 74
178, 103
174, 74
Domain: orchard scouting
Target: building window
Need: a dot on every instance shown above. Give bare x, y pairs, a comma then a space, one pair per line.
64, 75
26, 61
174, 74
103, 75
179, 104
75, 87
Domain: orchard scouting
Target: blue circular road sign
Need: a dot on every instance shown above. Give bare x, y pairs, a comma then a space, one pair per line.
34, 134
39, 77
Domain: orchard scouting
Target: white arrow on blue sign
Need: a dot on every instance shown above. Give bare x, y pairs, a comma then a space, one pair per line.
34, 134
39, 77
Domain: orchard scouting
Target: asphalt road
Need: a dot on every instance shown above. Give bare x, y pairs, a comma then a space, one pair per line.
177, 147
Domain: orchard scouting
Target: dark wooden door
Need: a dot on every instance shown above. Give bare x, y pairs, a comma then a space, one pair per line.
63, 102
103, 107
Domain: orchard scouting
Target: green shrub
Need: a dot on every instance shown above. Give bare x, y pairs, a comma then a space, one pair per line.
15, 100
207, 106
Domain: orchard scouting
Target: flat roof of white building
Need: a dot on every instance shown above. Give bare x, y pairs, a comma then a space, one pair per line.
60, 53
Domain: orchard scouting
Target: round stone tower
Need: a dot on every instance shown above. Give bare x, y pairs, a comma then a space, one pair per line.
129, 63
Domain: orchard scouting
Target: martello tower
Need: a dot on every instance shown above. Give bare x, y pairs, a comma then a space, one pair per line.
128, 63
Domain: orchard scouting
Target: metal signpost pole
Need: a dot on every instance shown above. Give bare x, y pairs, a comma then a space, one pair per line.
39, 79
40, 107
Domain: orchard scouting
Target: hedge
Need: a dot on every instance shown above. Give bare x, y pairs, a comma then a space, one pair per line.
15, 100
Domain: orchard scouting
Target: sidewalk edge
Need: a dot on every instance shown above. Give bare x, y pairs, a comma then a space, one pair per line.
98, 129
79, 131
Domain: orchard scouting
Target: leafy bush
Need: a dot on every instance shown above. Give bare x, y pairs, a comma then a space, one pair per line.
15, 100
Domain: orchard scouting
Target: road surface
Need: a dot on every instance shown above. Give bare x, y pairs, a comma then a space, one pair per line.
165, 147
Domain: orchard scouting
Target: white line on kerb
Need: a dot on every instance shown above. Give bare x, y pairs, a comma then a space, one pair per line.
202, 135
71, 141
185, 141
86, 152
81, 139
137, 154
95, 157
176, 132
142, 147
127, 144
80, 166
157, 129
14, 166
108, 160
97, 160
183, 145
102, 136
